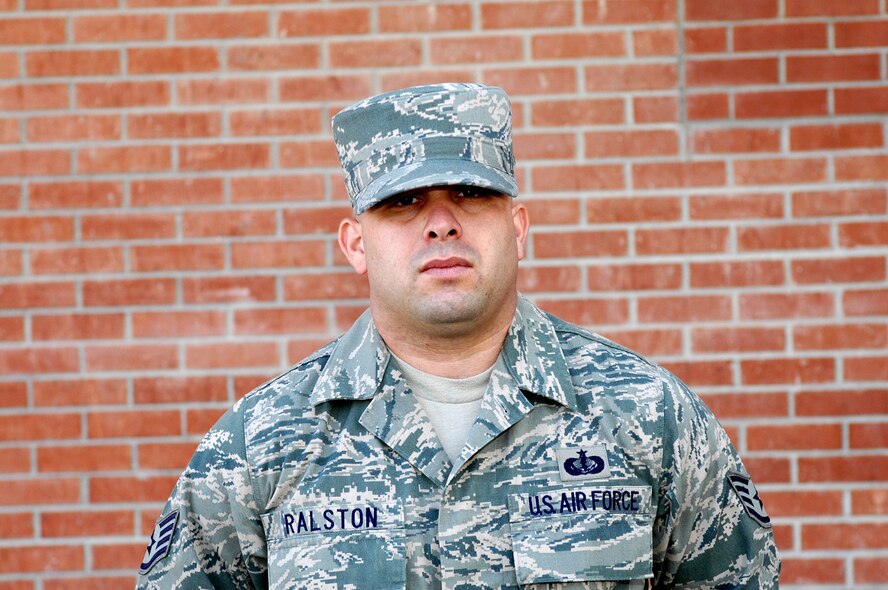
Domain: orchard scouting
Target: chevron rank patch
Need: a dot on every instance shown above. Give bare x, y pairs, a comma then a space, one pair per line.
160, 541
749, 497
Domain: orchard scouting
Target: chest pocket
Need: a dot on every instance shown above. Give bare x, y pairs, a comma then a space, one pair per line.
582, 534
336, 546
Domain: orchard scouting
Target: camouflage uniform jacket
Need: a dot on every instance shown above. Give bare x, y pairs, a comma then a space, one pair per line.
588, 467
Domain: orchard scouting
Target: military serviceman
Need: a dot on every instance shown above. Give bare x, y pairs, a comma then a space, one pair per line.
457, 436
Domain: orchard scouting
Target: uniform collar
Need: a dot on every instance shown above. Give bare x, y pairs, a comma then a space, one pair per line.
531, 354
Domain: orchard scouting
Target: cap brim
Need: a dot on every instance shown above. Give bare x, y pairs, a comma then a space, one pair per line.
431, 173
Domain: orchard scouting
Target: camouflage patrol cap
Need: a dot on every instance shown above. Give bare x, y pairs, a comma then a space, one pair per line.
439, 135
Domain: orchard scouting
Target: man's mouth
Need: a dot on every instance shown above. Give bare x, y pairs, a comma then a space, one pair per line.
445, 267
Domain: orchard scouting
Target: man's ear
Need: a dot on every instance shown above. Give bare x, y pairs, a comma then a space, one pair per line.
351, 242
522, 225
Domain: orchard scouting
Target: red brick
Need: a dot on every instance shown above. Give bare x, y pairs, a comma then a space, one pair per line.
284, 320
227, 25
151, 193
612, 144
842, 402
134, 423
39, 427
870, 570
177, 257
619, 12
780, 171
839, 270
200, 421
577, 45
585, 177
80, 392
320, 88
35, 558
707, 106
10, 262
834, 137
839, 203
678, 174
703, 373
35, 295
103, 95
812, 571
873, 501
309, 154
691, 240
224, 157
722, 72
36, 229
128, 226
12, 329
804, 503
572, 113
35, 162
229, 289
737, 274
178, 324
375, 54
641, 76
424, 18
10, 131
655, 109
273, 57
130, 489
278, 254
301, 187
129, 357
83, 458
866, 369
77, 327
178, 390
548, 278
832, 68
10, 196
762, 306
580, 244
739, 206
748, 405
74, 128
324, 22
397, 79
868, 436
648, 342
780, 37
83, 524
553, 211
865, 303
684, 309
864, 168
307, 287
15, 460
149, 158
314, 220
21, 97
222, 91
68, 4
780, 104
733, 141
539, 80
787, 370
475, 49
165, 455
794, 437
76, 260
115, 28
738, 339
109, 557
857, 101
32, 31
784, 237
162, 125
635, 277
718, 11
706, 40
523, 15
633, 209
232, 355
129, 292
588, 312
229, 223
172, 60
768, 470
16, 526
863, 234
276, 122
543, 146
57, 490
796, 8
73, 63
845, 535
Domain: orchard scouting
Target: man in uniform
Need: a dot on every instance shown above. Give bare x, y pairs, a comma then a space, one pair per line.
457, 436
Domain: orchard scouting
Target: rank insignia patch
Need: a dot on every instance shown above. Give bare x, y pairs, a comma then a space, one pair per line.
749, 497
160, 541
588, 463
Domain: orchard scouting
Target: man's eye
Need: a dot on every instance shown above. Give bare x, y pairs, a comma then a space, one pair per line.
404, 201
474, 192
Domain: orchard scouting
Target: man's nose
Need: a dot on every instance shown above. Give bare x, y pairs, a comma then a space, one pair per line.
442, 222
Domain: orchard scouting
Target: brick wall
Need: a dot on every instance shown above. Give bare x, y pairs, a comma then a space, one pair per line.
706, 180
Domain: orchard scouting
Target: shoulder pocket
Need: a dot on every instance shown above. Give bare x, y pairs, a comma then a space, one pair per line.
336, 546
585, 533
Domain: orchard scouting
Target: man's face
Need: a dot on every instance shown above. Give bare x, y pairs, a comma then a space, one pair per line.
441, 258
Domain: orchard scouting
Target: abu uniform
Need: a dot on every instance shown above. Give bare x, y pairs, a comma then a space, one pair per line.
588, 467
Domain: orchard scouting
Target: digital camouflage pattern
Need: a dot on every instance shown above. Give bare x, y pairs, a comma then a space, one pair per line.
330, 476
438, 135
